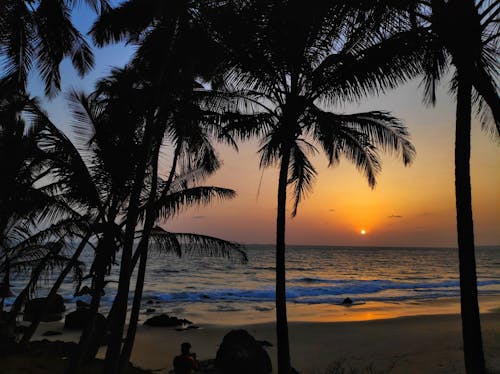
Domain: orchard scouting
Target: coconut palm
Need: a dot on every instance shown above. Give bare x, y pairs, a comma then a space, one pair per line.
172, 52
288, 64
27, 202
463, 35
41, 34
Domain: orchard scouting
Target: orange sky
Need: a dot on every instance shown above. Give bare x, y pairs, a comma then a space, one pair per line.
411, 206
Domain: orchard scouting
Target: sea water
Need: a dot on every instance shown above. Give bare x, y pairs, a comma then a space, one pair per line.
319, 278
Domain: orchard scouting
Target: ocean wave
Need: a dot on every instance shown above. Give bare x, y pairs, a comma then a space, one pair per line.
364, 289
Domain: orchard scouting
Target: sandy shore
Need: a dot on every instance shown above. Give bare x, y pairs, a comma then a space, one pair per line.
422, 344
418, 344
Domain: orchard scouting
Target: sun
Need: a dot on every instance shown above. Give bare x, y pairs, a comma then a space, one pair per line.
363, 232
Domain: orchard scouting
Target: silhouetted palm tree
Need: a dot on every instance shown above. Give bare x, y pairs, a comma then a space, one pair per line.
41, 34
28, 200
173, 50
285, 64
463, 35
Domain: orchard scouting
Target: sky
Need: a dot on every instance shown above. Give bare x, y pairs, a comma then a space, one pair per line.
410, 206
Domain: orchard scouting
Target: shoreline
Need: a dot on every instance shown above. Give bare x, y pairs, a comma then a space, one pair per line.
426, 343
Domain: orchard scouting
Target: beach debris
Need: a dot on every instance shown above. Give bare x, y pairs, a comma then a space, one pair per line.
347, 301
240, 353
51, 333
78, 319
163, 320
35, 306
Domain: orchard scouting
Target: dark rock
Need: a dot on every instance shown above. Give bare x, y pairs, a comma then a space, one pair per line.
35, 306
82, 304
150, 310
240, 353
78, 319
164, 320
150, 302
193, 327
51, 333
347, 301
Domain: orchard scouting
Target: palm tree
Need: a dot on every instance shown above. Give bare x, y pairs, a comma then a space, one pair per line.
27, 202
287, 63
41, 33
463, 35
172, 52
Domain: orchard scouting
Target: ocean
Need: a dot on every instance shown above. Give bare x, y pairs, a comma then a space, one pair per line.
318, 280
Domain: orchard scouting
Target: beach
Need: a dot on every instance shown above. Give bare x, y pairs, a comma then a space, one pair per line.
412, 344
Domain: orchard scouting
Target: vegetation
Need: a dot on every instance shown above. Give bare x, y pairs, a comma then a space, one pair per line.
206, 72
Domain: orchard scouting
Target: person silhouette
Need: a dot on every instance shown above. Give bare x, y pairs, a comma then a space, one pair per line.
186, 362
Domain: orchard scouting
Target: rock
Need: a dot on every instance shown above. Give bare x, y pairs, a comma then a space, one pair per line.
150, 302
82, 304
193, 327
51, 333
35, 306
347, 301
240, 353
150, 310
164, 320
78, 319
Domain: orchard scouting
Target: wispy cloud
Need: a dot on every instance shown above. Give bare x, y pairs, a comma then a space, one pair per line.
331, 210
199, 217
394, 216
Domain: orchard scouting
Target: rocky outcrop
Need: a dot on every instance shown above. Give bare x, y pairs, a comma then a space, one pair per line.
164, 320
78, 319
240, 353
35, 307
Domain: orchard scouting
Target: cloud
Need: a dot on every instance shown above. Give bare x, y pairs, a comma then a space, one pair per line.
331, 210
199, 217
394, 216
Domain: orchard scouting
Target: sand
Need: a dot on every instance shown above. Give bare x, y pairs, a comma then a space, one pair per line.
417, 344
421, 344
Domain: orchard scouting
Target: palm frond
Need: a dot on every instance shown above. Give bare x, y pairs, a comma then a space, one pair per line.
301, 175
175, 202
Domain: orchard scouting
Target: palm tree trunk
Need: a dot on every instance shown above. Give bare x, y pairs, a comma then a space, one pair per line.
30, 331
284, 365
471, 324
89, 333
21, 298
141, 273
118, 322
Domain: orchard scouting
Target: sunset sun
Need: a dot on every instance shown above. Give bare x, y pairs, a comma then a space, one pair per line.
363, 232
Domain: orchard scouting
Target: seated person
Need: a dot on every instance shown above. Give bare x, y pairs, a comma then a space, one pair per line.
186, 362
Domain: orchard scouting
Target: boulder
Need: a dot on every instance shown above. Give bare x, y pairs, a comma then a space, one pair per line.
347, 301
78, 319
164, 320
240, 353
35, 306
150, 310
82, 304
